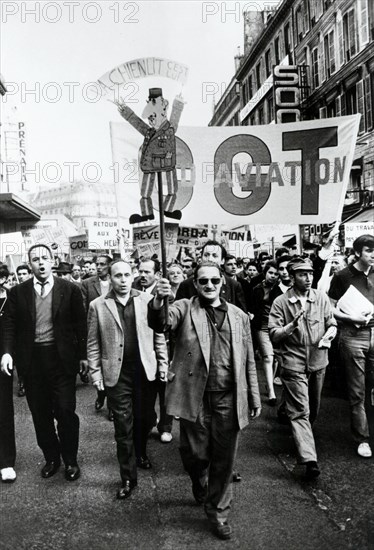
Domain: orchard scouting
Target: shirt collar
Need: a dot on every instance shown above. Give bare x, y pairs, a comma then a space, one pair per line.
50, 281
150, 288
293, 297
221, 307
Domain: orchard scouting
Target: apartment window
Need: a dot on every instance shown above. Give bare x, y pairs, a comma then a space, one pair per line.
277, 51
245, 93
331, 112
268, 63
299, 23
315, 73
349, 34
316, 10
287, 40
252, 120
351, 101
261, 117
270, 109
258, 75
323, 112
250, 86
329, 44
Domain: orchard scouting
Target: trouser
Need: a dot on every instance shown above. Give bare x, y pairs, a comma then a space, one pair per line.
7, 435
146, 191
210, 445
132, 403
50, 393
165, 423
302, 392
357, 351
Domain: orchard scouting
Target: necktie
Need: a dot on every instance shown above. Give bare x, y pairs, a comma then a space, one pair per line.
42, 289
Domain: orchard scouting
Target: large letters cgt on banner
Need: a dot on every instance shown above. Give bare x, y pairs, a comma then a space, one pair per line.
293, 173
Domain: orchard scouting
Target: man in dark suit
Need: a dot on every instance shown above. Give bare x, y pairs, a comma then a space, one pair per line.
212, 386
92, 288
45, 332
231, 290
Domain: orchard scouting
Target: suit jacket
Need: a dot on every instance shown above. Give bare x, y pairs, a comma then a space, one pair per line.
105, 340
91, 290
69, 324
189, 369
158, 153
231, 291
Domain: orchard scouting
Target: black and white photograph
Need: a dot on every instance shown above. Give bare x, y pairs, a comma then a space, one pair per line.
187, 275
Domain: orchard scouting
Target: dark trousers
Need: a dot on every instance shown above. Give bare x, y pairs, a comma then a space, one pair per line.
211, 443
50, 394
165, 423
132, 403
7, 435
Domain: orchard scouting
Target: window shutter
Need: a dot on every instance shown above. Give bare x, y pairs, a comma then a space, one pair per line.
361, 105
368, 103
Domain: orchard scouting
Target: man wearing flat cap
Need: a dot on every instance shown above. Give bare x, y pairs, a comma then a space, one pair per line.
301, 325
158, 152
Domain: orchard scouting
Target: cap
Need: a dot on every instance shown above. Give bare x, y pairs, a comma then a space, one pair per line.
154, 93
300, 264
63, 267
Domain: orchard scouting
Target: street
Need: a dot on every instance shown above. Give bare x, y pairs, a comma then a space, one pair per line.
273, 509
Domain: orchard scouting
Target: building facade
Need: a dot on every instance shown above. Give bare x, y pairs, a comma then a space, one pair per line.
331, 45
78, 201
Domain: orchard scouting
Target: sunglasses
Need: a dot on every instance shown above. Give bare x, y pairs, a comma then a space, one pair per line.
204, 280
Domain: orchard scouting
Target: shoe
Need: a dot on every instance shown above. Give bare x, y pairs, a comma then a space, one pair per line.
8, 475
166, 437
364, 450
236, 477
176, 215
222, 530
99, 403
126, 489
50, 468
72, 472
199, 492
272, 401
137, 218
312, 471
110, 415
84, 378
277, 381
144, 463
21, 390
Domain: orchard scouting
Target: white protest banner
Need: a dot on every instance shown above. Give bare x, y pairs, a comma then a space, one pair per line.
147, 240
133, 70
354, 230
296, 172
192, 237
102, 233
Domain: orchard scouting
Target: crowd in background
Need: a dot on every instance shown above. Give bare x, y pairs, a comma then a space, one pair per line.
296, 327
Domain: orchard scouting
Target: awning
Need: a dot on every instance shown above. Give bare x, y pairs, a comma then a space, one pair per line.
365, 216
14, 208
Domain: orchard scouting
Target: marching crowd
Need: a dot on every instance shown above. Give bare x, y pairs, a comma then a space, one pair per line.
190, 340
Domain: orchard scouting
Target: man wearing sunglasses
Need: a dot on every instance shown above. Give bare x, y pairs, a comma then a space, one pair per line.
212, 386
230, 290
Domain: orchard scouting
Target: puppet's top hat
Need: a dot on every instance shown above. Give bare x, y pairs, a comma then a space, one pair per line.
154, 93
